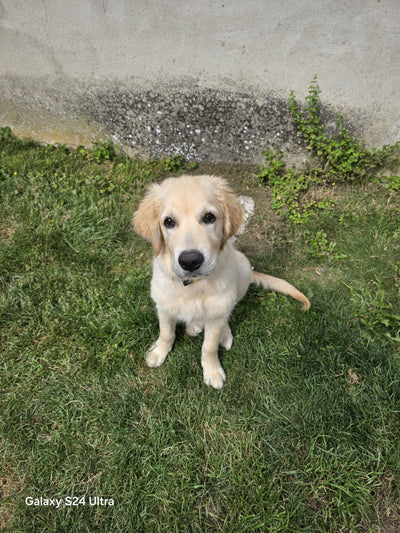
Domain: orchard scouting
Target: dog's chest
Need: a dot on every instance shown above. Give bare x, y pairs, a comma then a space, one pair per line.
194, 302
185, 303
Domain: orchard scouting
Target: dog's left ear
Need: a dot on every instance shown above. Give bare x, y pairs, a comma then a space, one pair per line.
146, 221
232, 210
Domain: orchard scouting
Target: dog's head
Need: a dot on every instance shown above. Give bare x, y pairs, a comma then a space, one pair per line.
188, 220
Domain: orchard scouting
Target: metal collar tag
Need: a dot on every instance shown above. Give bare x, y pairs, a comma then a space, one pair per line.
187, 282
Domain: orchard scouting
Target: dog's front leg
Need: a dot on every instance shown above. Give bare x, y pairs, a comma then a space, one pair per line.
160, 349
213, 373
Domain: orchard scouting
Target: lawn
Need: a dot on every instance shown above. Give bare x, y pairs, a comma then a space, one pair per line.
304, 436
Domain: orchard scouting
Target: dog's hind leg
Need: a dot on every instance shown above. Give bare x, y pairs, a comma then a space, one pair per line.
194, 328
227, 338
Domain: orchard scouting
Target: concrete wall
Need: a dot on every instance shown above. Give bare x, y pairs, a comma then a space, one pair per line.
206, 79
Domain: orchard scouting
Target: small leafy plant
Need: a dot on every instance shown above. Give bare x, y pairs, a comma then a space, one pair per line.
5, 133
173, 164
375, 313
341, 158
320, 247
101, 152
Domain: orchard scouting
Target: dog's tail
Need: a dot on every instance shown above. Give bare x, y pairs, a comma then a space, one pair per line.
279, 285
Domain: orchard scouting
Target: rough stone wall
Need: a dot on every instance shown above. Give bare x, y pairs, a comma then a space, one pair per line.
207, 80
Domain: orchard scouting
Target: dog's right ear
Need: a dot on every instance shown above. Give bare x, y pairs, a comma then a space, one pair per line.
146, 219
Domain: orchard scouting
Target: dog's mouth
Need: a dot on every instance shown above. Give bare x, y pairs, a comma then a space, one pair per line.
190, 277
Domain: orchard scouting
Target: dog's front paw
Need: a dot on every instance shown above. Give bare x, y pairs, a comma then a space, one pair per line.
214, 376
155, 357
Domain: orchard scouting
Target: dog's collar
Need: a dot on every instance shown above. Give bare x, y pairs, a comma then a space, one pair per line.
187, 282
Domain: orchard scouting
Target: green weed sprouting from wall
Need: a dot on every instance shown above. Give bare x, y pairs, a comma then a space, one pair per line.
340, 159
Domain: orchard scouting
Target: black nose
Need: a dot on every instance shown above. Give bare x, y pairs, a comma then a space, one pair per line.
191, 260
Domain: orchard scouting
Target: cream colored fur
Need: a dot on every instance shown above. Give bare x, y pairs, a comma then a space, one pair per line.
205, 214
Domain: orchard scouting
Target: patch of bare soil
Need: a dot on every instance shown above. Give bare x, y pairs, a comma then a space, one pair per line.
9, 487
389, 512
6, 231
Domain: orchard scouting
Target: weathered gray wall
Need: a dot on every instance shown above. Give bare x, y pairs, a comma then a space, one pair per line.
209, 80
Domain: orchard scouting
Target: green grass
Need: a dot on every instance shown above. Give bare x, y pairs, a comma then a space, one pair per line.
305, 435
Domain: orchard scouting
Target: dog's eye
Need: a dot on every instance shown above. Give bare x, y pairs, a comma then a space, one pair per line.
169, 223
209, 218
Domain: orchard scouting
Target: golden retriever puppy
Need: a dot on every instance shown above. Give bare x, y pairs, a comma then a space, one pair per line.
198, 276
